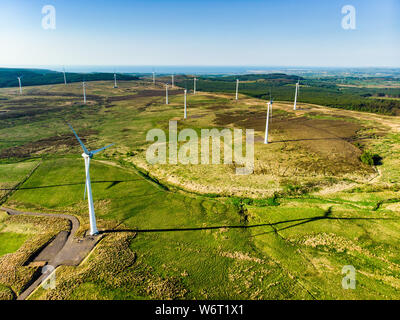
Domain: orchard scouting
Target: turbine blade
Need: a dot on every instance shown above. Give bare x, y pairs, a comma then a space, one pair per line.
79, 140
101, 149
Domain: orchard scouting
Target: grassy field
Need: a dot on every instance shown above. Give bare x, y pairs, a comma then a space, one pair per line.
202, 232
13, 173
11, 242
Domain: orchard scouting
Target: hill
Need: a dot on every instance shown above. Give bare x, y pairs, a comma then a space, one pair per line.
34, 77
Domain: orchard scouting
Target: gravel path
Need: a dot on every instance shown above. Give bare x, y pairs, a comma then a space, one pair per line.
65, 249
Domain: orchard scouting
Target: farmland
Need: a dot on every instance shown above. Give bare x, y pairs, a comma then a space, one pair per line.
194, 231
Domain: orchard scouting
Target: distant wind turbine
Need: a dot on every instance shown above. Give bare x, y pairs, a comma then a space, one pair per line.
154, 78
172, 82
65, 78
237, 89
88, 155
115, 80
194, 85
267, 124
84, 92
295, 95
20, 84
166, 93
185, 114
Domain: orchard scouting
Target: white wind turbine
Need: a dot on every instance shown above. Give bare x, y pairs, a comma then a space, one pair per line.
65, 78
115, 80
87, 155
237, 89
172, 80
20, 84
267, 123
166, 93
295, 95
185, 113
194, 85
154, 78
84, 92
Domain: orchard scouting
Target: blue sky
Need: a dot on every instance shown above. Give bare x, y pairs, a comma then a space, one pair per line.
207, 32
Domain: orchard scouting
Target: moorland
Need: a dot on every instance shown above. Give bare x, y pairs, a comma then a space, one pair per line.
324, 193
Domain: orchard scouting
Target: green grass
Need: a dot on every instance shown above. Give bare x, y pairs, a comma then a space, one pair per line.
215, 263
280, 247
14, 172
11, 174
11, 241
207, 256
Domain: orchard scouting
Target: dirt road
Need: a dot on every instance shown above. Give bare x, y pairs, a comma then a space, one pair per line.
64, 249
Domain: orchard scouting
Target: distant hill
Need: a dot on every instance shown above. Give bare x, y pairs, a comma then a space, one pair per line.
34, 77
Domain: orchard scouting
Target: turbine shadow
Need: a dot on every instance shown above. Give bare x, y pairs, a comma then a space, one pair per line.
316, 139
112, 184
296, 222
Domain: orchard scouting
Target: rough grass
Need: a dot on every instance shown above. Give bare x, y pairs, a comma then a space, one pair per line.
163, 244
290, 244
12, 173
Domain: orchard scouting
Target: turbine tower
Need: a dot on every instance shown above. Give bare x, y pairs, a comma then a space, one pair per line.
185, 114
172, 82
166, 93
84, 92
194, 85
20, 84
237, 89
65, 78
266, 124
154, 78
115, 80
295, 95
88, 155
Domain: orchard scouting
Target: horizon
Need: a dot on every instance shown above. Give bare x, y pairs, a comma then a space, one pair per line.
199, 69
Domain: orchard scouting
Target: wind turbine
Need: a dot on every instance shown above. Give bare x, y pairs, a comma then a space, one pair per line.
84, 92
115, 80
266, 124
166, 93
194, 85
185, 114
87, 155
20, 84
237, 89
65, 78
172, 82
295, 96
154, 78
